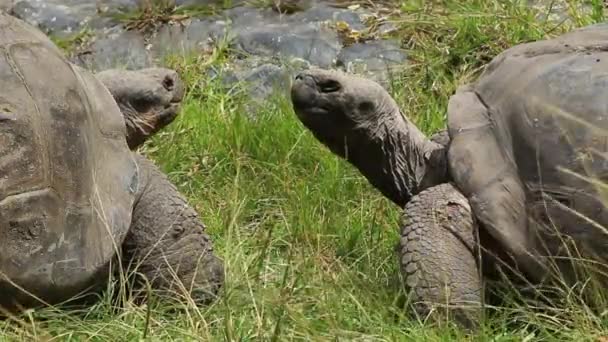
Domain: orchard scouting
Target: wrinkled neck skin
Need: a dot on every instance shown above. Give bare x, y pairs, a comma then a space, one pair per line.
396, 157
139, 125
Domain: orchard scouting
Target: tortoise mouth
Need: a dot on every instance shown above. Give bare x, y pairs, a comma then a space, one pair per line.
178, 96
309, 104
165, 115
172, 107
304, 93
174, 103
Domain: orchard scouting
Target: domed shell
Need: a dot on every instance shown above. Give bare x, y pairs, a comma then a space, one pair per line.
548, 101
67, 177
549, 111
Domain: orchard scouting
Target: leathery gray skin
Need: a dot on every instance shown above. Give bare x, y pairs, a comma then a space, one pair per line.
359, 121
148, 98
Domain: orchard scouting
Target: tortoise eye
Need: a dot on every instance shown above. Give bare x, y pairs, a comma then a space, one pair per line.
329, 86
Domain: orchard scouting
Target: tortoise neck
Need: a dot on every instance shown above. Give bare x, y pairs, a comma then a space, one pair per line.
398, 159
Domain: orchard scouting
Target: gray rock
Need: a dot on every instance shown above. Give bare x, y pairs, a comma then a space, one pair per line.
66, 17
123, 49
260, 84
54, 18
292, 6
557, 11
206, 2
198, 35
247, 17
255, 78
258, 32
115, 6
311, 42
323, 13
265, 80
376, 59
297, 64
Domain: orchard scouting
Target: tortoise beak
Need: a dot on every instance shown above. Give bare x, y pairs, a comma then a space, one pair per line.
305, 78
303, 91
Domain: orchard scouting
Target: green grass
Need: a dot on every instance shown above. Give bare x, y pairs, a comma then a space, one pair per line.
308, 243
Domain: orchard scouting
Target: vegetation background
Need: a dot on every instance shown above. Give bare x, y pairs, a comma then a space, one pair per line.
308, 243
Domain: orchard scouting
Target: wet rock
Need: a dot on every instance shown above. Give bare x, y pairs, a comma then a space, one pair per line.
257, 79
198, 35
264, 81
117, 6
375, 59
66, 17
247, 17
297, 64
324, 13
124, 49
311, 42
196, 3
265, 41
291, 6
557, 11
61, 18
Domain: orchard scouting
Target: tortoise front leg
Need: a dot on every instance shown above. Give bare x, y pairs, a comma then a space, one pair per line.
167, 242
438, 255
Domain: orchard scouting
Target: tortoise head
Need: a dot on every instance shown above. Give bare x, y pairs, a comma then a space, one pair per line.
149, 99
357, 119
343, 111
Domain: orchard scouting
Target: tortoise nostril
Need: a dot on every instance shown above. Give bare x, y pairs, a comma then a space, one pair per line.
168, 83
299, 77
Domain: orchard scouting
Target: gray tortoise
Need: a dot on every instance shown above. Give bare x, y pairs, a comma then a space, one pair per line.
75, 200
522, 147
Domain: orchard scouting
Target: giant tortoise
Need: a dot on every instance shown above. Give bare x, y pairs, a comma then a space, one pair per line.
76, 202
518, 182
